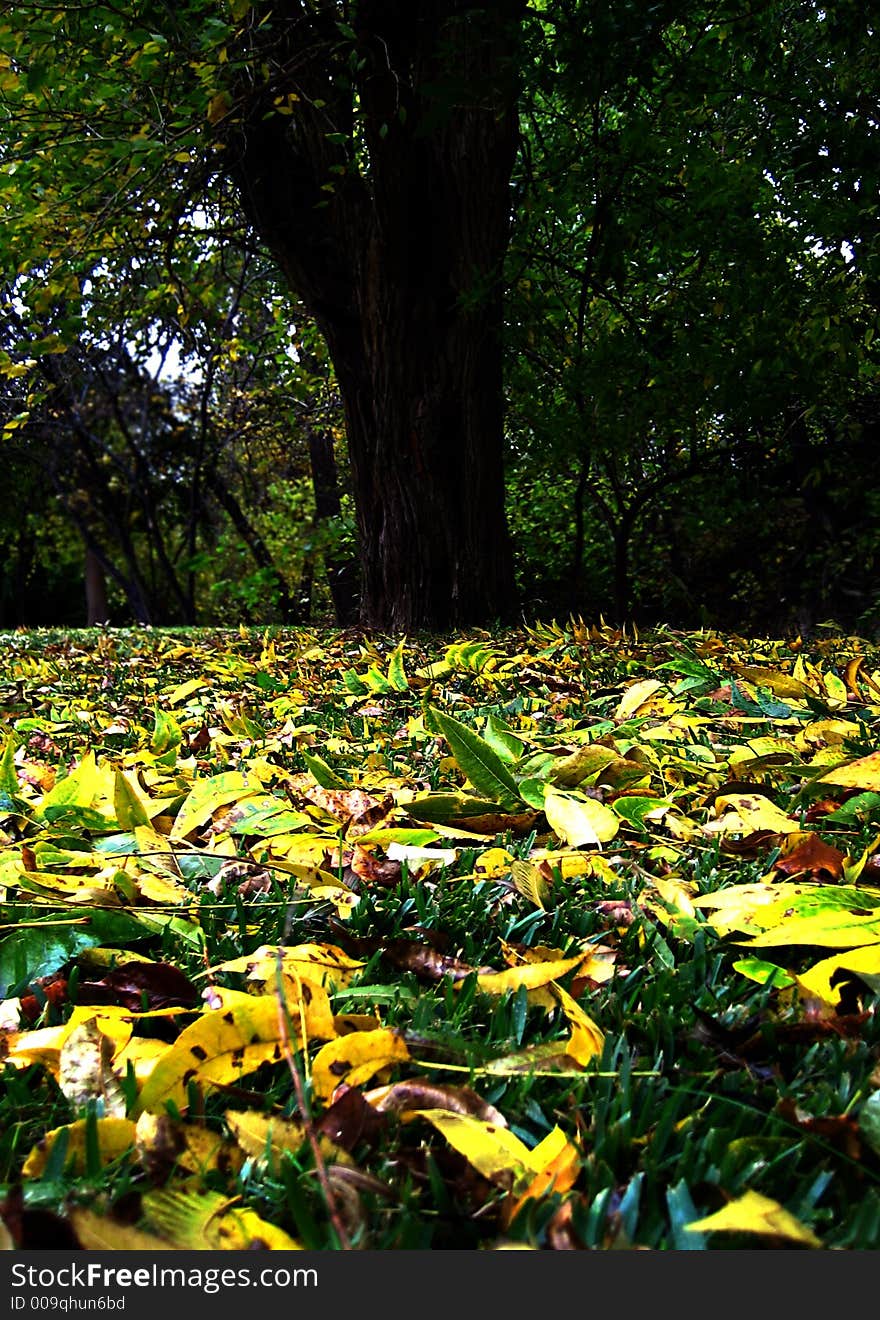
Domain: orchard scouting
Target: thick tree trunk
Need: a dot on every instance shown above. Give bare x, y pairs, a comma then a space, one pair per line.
388, 212
424, 428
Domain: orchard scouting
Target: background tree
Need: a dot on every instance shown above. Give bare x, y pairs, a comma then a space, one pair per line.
676, 309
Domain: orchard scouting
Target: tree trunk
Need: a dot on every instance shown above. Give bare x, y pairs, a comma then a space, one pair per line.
388, 212
289, 609
96, 590
622, 586
342, 574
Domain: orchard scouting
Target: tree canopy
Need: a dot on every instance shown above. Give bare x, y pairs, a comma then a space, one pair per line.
649, 234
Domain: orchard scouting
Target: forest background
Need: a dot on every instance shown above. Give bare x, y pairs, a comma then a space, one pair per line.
676, 310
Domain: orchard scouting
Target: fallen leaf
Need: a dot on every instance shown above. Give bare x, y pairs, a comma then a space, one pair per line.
753, 1213
354, 1059
812, 856
113, 1138
578, 820
86, 1073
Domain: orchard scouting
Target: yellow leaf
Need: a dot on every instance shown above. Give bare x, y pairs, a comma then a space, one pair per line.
495, 1152
88, 786
571, 770
85, 1070
265, 1136
821, 733
143, 1053
164, 1143
750, 812
245, 1230
781, 685
494, 861
98, 1233
115, 1136
575, 863
192, 1217
676, 893
636, 696
864, 774
356, 1058
816, 983
836, 689
268, 1137
578, 820
531, 975
587, 1038
322, 964
206, 796
220, 1046
127, 803
530, 883
164, 889
753, 1213
186, 689
737, 905
42, 1047
558, 1163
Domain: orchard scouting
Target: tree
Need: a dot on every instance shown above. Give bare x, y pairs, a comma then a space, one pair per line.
371, 146
690, 262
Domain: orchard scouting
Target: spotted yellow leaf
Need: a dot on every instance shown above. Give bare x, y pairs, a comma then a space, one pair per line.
356, 1058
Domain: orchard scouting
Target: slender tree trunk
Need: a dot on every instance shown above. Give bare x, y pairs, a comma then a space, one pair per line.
387, 207
342, 574
577, 553
96, 590
622, 585
289, 610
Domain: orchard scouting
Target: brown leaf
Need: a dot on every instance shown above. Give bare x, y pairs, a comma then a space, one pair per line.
350, 1120
812, 856
425, 962
845, 1025
373, 870
138, 984
823, 807
560, 1230
51, 989
619, 911
199, 741
358, 811
422, 1093
750, 844
840, 1130
252, 879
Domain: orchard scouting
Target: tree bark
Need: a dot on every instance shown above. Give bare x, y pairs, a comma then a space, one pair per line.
391, 223
96, 590
342, 574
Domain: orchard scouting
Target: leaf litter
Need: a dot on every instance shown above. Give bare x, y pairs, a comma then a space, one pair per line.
567, 937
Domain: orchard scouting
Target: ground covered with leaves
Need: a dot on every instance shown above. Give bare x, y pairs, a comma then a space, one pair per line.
566, 938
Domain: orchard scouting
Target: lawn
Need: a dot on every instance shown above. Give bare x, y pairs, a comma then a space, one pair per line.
563, 937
